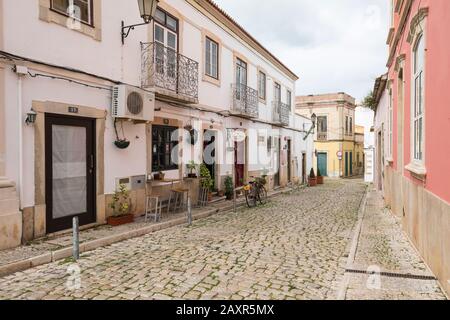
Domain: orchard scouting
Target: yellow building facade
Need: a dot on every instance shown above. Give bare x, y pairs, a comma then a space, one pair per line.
336, 150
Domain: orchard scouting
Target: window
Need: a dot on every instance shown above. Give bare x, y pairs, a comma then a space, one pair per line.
351, 126
262, 84
78, 9
166, 44
418, 100
277, 93
164, 151
322, 125
289, 99
322, 128
391, 123
211, 58
346, 125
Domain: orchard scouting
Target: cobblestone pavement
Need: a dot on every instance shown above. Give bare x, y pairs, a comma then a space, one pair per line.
295, 247
384, 247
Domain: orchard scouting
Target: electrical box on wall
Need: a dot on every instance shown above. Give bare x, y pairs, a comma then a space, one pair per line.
137, 182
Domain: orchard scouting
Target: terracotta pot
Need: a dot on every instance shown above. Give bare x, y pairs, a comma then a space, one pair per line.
319, 180
159, 176
312, 182
120, 220
210, 197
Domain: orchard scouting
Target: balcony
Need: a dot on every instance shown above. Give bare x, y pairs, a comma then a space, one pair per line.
245, 101
322, 136
281, 113
172, 75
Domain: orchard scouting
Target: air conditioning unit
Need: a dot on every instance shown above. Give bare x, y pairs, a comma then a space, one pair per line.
132, 103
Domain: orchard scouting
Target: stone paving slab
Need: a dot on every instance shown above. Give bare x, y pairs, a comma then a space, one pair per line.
292, 248
23, 257
384, 247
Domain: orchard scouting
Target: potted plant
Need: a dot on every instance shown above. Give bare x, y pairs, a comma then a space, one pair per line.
206, 180
121, 205
229, 189
159, 175
319, 177
312, 178
192, 167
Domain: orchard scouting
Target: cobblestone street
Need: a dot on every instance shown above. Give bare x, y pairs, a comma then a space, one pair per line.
295, 247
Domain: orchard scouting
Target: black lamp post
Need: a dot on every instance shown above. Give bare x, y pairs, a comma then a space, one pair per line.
147, 9
313, 119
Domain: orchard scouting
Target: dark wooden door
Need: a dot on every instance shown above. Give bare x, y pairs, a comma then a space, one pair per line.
70, 171
239, 163
289, 160
304, 168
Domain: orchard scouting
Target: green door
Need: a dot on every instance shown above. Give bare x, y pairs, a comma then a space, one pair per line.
346, 164
351, 163
322, 164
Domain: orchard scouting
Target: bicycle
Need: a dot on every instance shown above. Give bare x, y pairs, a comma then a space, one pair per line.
255, 192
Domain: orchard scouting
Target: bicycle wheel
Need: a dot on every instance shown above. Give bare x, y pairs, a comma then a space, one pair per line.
262, 195
250, 198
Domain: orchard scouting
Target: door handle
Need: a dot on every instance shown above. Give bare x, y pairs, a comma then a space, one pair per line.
92, 164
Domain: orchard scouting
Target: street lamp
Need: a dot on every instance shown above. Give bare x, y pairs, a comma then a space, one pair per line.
313, 119
147, 9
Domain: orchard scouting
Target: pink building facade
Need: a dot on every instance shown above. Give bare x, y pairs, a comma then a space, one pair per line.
417, 153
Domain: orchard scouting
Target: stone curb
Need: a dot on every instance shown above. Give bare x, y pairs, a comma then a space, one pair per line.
65, 253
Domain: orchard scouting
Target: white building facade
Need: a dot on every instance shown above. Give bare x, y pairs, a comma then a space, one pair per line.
190, 80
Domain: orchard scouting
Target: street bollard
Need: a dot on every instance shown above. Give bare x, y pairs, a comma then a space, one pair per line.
189, 213
76, 239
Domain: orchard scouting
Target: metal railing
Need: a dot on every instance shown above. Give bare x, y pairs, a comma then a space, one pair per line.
165, 68
322, 136
281, 113
245, 100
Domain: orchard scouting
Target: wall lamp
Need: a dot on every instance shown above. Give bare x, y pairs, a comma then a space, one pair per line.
147, 9
31, 117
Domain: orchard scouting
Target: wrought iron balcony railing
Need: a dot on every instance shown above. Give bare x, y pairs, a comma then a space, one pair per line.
322, 136
245, 101
164, 68
281, 113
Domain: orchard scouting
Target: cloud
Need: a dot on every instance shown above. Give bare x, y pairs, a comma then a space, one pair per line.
333, 45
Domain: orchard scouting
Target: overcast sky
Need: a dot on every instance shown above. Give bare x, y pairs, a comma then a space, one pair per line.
333, 45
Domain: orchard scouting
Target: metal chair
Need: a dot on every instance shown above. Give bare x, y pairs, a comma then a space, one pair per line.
179, 199
153, 208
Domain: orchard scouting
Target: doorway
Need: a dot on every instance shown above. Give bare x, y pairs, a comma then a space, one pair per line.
276, 177
209, 153
303, 168
346, 165
289, 160
322, 161
239, 162
70, 171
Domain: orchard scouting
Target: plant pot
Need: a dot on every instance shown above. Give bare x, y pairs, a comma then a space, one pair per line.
320, 180
192, 175
159, 176
229, 196
221, 193
122, 144
210, 196
312, 182
120, 220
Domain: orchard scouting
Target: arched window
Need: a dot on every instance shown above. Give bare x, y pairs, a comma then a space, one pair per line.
418, 99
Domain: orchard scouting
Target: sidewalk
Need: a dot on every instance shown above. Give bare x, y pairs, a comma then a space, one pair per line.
46, 250
383, 248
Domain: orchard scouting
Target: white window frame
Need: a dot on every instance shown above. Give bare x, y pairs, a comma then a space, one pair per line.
418, 75
73, 15
289, 98
262, 87
209, 53
390, 122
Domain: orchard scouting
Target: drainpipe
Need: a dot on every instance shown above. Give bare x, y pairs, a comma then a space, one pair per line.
20, 71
